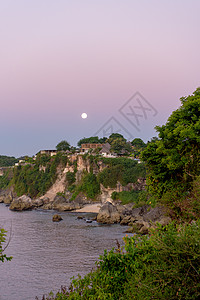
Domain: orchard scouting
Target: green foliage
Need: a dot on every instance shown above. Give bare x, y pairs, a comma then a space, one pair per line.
165, 265
110, 176
6, 161
5, 179
3, 256
121, 169
135, 197
173, 160
120, 146
71, 177
92, 140
33, 180
138, 143
88, 185
63, 146
115, 136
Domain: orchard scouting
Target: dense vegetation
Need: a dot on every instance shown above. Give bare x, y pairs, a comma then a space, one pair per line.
6, 161
63, 146
137, 198
88, 185
36, 178
120, 169
173, 160
165, 265
92, 140
5, 179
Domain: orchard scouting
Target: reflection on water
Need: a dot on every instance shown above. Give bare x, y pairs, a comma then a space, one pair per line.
47, 254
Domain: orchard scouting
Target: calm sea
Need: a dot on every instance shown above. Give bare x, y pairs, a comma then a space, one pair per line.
47, 254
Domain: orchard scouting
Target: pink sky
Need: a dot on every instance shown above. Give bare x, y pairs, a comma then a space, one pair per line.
61, 58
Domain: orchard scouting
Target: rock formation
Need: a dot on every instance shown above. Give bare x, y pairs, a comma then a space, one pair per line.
57, 218
21, 203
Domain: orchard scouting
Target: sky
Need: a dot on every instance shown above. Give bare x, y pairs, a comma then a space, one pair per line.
124, 63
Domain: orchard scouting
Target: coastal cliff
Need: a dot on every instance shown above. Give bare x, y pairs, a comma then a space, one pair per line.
71, 182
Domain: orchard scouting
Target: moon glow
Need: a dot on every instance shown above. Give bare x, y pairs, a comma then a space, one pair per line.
84, 116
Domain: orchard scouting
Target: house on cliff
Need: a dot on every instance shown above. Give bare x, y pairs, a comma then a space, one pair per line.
90, 146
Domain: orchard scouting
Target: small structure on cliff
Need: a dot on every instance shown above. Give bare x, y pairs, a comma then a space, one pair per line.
90, 146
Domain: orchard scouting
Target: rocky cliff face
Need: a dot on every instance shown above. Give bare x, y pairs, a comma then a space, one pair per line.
81, 165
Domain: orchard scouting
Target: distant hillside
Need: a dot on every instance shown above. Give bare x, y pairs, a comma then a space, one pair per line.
6, 161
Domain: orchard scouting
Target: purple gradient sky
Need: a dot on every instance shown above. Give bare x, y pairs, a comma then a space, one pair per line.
61, 58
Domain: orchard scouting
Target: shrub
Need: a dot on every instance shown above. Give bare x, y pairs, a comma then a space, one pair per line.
88, 185
165, 265
71, 177
34, 181
124, 170
3, 256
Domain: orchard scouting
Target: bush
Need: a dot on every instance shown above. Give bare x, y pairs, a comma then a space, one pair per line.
71, 177
124, 170
165, 265
88, 185
34, 181
126, 196
3, 256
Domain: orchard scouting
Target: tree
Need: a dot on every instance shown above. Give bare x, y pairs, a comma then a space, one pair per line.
90, 140
120, 146
6, 161
138, 143
63, 146
115, 136
173, 160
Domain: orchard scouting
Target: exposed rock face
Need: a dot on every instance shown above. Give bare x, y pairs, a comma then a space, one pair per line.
68, 206
139, 220
62, 203
82, 199
108, 214
6, 196
38, 202
57, 218
107, 192
22, 203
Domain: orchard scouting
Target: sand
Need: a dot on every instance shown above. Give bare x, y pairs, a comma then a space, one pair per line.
93, 208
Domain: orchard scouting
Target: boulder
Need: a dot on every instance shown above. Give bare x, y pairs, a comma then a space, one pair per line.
57, 218
108, 214
144, 230
58, 202
45, 200
38, 202
82, 199
123, 211
157, 215
140, 211
47, 206
164, 220
67, 206
6, 196
21, 203
127, 220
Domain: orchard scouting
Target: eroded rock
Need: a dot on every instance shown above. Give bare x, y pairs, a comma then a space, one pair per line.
108, 214
57, 218
21, 203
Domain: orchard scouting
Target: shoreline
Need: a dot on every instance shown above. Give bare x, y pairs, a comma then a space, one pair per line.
89, 208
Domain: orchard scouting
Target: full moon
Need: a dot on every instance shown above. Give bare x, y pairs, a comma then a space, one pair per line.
84, 116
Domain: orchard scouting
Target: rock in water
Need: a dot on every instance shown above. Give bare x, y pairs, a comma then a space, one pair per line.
22, 203
57, 218
108, 214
